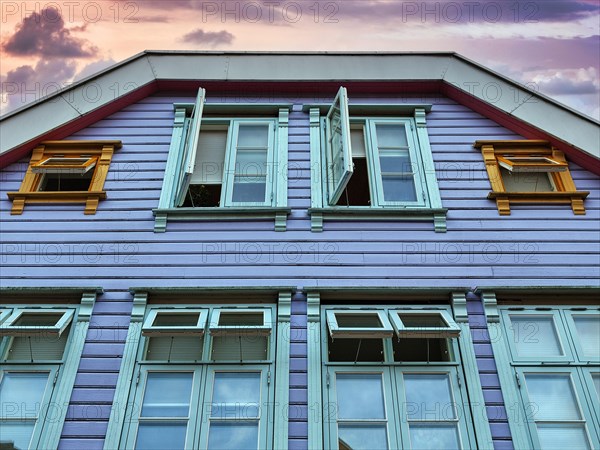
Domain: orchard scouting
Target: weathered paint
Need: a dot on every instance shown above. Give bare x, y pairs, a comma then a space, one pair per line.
56, 245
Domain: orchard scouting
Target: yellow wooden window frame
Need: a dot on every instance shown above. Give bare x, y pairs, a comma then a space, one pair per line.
98, 155
495, 155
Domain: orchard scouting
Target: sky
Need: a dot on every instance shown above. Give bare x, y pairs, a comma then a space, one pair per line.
551, 45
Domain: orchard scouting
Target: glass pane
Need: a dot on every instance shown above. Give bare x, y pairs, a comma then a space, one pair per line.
395, 161
21, 394
358, 320
337, 151
241, 319
399, 189
596, 380
357, 437
228, 436
391, 136
360, 396
16, 433
176, 320
428, 397
64, 161
526, 181
161, 436
535, 336
251, 162
430, 437
253, 136
248, 190
552, 397
167, 395
562, 436
236, 395
423, 320
588, 329
38, 320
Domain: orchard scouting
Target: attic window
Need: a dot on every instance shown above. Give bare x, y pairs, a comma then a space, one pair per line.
529, 172
66, 172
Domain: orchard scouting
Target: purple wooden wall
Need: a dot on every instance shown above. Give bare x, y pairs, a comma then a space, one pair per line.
56, 245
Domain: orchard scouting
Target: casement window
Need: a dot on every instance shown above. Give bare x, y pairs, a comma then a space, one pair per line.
226, 161
551, 375
372, 160
388, 386
529, 172
66, 172
204, 376
40, 348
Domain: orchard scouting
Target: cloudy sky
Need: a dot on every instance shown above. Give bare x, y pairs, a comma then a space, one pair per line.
553, 45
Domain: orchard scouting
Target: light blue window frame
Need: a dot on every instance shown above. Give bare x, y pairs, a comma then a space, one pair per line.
9, 327
149, 329
274, 370
512, 371
182, 156
62, 373
390, 370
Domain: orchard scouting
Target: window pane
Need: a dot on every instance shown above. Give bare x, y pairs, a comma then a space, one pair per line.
430, 437
360, 396
236, 395
249, 190
16, 433
395, 161
526, 181
22, 394
358, 320
241, 319
423, 320
588, 329
391, 136
167, 395
535, 336
161, 436
251, 162
337, 151
253, 136
357, 437
428, 397
228, 436
38, 320
176, 320
596, 380
399, 189
552, 397
562, 436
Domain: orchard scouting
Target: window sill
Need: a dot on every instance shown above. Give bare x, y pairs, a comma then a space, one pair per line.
504, 199
279, 214
436, 215
90, 198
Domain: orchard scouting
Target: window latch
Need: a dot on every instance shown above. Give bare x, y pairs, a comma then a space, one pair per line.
518, 380
269, 377
459, 380
137, 379
56, 376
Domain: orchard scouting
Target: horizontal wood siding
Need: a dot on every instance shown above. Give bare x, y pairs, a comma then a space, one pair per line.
56, 245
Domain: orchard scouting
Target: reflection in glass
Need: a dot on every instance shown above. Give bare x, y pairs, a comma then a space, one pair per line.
227, 436
562, 436
552, 397
428, 397
432, 437
360, 396
167, 395
161, 436
366, 437
535, 336
391, 135
588, 329
236, 395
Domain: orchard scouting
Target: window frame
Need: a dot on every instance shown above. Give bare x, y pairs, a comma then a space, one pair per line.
338, 332
99, 154
8, 328
427, 205
148, 329
570, 325
215, 329
494, 155
402, 331
182, 157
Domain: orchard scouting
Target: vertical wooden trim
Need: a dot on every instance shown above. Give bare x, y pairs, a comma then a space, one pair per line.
281, 155
317, 177
315, 397
433, 190
68, 372
483, 433
282, 372
119, 406
171, 175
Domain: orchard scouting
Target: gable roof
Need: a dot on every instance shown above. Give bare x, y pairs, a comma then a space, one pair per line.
511, 104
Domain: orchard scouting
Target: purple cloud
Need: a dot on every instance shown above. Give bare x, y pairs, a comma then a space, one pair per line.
44, 34
209, 38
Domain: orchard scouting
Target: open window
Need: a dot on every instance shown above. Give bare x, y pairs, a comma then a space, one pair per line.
375, 162
423, 324
529, 172
226, 161
66, 172
358, 324
175, 322
47, 321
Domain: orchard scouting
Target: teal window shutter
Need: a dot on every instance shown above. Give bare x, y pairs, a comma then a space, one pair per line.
339, 157
191, 146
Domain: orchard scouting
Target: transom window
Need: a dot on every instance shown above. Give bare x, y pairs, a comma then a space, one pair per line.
389, 389
203, 379
372, 163
555, 362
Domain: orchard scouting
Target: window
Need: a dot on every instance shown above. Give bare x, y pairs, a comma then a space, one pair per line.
529, 172
40, 350
66, 172
205, 376
373, 160
388, 386
226, 161
551, 375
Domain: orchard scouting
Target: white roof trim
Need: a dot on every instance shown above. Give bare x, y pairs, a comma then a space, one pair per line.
49, 113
